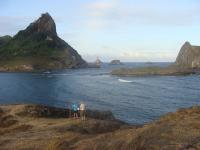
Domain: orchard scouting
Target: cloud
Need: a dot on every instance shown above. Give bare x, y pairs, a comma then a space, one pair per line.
131, 56
162, 13
97, 12
137, 55
100, 9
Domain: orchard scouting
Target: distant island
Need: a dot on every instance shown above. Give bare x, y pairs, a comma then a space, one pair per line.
96, 64
38, 47
187, 62
115, 62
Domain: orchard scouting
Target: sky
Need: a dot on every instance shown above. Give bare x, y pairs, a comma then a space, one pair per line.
129, 30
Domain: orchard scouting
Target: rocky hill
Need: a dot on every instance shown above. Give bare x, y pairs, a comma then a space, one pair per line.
189, 56
38, 47
49, 128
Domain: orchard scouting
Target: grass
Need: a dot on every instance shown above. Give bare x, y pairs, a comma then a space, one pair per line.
179, 130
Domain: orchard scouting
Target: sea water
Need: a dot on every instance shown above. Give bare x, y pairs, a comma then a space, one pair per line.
135, 100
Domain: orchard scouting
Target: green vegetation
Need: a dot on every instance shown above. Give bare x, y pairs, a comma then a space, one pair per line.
4, 39
34, 45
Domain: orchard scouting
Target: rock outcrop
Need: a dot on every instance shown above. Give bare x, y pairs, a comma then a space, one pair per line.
189, 56
96, 64
115, 62
40, 47
98, 61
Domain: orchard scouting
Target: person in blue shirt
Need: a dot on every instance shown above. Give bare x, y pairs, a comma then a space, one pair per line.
75, 110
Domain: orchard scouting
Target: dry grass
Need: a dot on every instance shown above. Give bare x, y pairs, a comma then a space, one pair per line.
174, 131
35, 129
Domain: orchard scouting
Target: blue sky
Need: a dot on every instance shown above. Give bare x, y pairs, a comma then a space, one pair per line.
130, 30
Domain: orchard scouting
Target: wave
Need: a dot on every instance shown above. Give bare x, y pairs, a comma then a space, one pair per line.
126, 81
47, 72
61, 74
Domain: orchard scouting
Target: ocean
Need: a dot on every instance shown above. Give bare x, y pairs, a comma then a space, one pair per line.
135, 100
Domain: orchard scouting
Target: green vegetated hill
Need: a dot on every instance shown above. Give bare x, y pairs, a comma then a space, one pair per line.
38, 47
4, 39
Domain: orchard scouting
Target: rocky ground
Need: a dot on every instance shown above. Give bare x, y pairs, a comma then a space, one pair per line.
28, 127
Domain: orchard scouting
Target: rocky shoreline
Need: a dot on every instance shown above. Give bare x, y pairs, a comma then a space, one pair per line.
42, 127
150, 71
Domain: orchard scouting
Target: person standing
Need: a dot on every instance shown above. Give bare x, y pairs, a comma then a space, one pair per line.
82, 111
75, 110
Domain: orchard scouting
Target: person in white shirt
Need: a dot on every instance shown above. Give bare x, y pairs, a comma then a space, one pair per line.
82, 111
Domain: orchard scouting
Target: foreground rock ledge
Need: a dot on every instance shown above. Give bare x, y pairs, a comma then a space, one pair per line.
47, 128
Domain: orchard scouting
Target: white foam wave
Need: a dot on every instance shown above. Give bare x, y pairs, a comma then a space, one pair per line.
126, 81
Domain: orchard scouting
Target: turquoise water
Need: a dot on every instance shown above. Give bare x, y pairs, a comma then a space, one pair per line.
135, 100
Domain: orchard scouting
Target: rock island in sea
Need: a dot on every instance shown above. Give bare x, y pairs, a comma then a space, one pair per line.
38, 47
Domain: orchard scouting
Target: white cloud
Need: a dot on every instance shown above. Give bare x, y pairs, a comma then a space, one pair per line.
97, 12
129, 56
118, 12
137, 55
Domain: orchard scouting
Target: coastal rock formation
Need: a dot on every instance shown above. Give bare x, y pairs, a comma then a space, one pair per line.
115, 62
189, 56
39, 47
98, 62
39, 111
